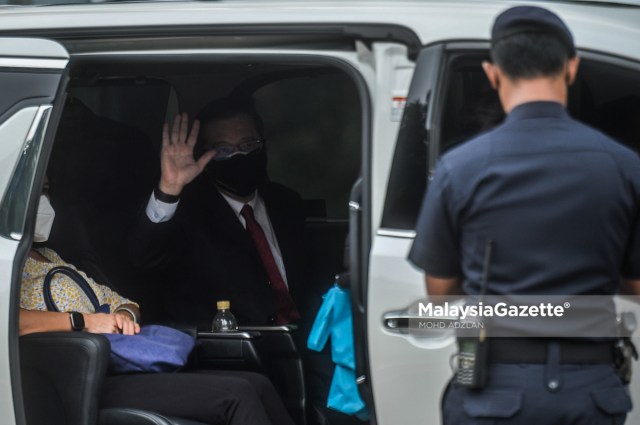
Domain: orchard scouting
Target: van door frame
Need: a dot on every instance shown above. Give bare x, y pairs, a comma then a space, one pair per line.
361, 84
360, 205
51, 59
396, 322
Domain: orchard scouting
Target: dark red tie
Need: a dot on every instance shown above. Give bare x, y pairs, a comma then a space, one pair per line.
286, 310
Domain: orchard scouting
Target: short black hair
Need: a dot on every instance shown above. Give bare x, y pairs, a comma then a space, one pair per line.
225, 108
530, 55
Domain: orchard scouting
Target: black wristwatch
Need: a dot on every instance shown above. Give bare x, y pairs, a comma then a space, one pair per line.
77, 321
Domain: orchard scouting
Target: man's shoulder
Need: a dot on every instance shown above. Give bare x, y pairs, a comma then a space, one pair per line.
470, 154
622, 154
278, 191
282, 202
587, 137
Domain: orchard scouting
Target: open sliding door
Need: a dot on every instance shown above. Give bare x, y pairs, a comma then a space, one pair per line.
31, 72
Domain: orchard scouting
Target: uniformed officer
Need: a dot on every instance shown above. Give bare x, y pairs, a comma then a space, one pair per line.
560, 202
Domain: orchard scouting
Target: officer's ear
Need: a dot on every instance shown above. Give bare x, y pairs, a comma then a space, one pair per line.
572, 70
492, 74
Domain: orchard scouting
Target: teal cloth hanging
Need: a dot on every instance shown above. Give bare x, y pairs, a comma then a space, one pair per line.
334, 320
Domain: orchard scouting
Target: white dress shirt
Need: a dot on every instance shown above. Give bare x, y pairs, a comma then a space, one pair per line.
159, 212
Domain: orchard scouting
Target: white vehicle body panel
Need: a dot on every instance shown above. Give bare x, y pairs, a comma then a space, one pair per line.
8, 249
407, 374
594, 26
15, 132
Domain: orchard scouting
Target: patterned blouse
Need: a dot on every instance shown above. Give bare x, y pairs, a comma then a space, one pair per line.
66, 294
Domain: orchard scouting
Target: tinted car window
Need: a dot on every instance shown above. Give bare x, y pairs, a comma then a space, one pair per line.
313, 132
606, 95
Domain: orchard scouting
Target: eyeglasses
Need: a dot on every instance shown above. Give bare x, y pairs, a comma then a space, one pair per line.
227, 150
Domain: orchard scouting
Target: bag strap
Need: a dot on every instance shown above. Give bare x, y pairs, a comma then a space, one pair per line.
78, 280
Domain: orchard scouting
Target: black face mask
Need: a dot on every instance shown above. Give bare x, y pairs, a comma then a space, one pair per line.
240, 175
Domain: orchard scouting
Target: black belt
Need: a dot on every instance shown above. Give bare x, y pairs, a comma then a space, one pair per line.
534, 350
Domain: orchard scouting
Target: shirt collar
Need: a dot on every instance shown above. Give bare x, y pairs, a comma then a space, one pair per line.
237, 205
537, 109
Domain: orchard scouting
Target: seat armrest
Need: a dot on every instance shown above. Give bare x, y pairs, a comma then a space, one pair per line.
273, 328
188, 328
270, 350
126, 416
242, 334
227, 350
62, 375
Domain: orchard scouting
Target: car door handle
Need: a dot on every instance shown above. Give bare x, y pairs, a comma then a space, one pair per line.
402, 322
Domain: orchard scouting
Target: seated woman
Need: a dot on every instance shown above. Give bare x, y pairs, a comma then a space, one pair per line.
212, 398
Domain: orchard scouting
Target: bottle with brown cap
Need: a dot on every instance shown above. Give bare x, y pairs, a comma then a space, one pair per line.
224, 320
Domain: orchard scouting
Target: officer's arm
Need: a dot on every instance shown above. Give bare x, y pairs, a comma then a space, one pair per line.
438, 286
630, 287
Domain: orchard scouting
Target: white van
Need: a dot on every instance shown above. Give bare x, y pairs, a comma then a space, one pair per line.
359, 99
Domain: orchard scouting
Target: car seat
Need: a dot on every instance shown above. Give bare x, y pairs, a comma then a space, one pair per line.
99, 172
62, 375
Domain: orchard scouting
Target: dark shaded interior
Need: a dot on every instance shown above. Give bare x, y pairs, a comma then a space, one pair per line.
606, 95
105, 163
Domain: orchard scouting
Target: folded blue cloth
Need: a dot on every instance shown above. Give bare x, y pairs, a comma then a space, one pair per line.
155, 349
334, 319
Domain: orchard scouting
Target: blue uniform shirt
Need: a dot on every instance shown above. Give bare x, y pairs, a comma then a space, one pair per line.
559, 199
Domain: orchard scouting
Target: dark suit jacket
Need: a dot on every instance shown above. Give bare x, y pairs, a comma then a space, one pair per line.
204, 254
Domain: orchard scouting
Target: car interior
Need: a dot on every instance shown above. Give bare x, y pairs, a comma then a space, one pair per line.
605, 96
105, 162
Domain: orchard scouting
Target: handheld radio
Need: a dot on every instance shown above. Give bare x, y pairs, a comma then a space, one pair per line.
473, 347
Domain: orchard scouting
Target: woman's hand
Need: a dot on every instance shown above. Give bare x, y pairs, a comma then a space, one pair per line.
98, 323
126, 325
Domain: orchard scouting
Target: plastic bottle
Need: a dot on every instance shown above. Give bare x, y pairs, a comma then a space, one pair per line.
224, 320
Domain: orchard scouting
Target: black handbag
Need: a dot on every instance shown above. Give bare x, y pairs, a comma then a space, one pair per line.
79, 280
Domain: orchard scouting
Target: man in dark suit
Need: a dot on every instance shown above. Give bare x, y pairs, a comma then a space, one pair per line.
216, 227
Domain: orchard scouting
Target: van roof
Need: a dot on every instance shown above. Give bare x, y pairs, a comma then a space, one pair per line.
598, 26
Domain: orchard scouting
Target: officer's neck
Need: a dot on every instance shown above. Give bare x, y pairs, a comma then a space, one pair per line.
516, 92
